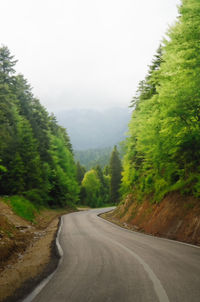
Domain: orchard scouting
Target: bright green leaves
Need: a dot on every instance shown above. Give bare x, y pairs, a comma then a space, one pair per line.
163, 149
91, 185
95, 188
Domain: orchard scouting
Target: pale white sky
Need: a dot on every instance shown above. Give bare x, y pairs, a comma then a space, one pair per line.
84, 53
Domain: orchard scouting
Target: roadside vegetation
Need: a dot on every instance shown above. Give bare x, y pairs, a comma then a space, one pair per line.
100, 187
163, 147
162, 151
40, 180
22, 207
36, 157
37, 167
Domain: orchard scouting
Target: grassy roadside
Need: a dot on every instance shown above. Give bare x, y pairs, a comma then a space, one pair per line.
21, 207
30, 212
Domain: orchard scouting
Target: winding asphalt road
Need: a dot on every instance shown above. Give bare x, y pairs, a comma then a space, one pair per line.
105, 263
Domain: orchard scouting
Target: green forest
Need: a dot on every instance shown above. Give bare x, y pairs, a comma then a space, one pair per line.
163, 148
36, 157
100, 186
35, 152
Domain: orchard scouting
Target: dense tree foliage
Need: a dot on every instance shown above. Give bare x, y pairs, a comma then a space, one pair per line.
101, 186
95, 188
163, 148
104, 185
36, 157
80, 172
91, 185
115, 170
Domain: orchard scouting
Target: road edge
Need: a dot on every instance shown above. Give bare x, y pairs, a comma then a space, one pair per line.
31, 285
47, 278
123, 227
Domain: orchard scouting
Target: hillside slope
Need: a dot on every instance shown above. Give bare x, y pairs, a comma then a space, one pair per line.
161, 176
176, 217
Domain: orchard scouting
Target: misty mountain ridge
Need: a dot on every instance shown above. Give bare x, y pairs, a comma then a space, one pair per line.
93, 128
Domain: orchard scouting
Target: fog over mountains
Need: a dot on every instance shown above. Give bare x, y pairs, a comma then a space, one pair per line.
93, 128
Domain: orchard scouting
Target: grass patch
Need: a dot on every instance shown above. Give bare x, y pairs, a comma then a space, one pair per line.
22, 207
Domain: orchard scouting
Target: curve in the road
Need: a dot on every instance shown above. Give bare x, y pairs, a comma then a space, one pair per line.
159, 289
105, 263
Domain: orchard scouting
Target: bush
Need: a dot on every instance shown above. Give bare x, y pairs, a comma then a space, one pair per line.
36, 197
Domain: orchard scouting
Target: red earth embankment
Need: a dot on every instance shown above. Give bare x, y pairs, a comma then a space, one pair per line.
176, 217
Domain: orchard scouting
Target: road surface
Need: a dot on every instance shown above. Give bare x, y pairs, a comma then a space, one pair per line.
105, 263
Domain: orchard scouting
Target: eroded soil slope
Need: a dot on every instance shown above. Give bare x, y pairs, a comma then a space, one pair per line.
176, 217
27, 251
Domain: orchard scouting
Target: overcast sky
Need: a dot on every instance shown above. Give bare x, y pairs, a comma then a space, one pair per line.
84, 53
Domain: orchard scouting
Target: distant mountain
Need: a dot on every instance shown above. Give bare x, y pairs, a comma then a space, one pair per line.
93, 157
92, 129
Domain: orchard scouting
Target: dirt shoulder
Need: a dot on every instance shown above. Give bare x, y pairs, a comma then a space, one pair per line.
27, 250
176, 217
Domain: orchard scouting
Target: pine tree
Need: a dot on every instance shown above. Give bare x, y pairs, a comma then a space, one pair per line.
16, 175
147, 87
6, 66
36, 157
80, 171
28, 150
65, 189
115, 170
104, 185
